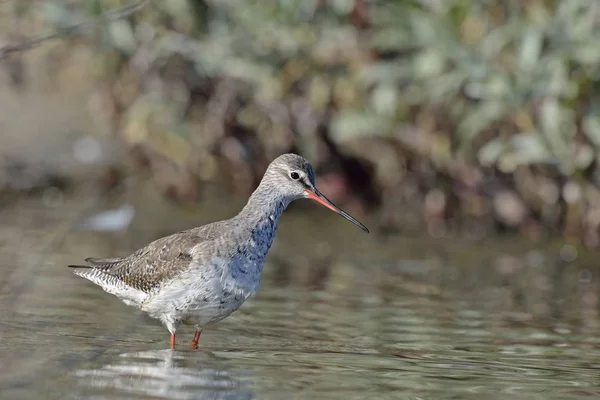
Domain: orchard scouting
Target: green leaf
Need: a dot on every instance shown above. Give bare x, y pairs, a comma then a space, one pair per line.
94, 7
530, 49
591, 128
122, 36
349, 125
490, 153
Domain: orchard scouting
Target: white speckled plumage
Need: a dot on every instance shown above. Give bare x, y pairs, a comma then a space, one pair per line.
202, 275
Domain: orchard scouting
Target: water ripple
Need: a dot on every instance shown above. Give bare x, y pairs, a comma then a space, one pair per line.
457, 330
161, 374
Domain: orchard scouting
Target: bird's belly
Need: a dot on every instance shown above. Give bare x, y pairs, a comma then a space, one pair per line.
200, 303
202, 313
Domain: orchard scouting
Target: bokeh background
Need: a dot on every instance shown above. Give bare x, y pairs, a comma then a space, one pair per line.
449, 116
464, 133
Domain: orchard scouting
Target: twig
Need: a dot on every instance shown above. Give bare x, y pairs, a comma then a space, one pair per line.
108, 16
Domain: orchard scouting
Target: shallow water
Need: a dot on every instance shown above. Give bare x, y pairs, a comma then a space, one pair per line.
339, 315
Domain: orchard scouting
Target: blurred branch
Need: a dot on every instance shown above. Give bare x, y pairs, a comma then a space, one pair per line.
111, 15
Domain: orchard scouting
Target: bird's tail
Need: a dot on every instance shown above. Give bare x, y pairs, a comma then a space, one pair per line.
79, 266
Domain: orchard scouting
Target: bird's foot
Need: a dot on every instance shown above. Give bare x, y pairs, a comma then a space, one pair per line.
194, 342
172, 341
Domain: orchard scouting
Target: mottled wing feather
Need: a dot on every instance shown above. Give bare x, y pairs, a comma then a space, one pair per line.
164, 259
103, 263
153, 265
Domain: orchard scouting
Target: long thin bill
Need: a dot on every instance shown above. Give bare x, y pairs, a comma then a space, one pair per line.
324, 201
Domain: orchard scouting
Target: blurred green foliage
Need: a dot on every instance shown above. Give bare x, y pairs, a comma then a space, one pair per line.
467, 90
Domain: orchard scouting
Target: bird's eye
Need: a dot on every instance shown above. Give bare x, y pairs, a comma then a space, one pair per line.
294, 175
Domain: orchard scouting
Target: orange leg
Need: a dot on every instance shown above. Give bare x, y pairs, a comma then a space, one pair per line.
194, 341
172, 341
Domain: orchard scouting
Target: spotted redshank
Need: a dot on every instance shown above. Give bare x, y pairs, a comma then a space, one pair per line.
202, 275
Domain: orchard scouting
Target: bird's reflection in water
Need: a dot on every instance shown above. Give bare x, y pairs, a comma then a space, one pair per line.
163, 374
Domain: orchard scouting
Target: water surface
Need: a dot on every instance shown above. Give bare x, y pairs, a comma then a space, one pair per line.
339, 315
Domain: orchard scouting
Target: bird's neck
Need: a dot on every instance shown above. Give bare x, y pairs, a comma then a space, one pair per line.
264, 207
